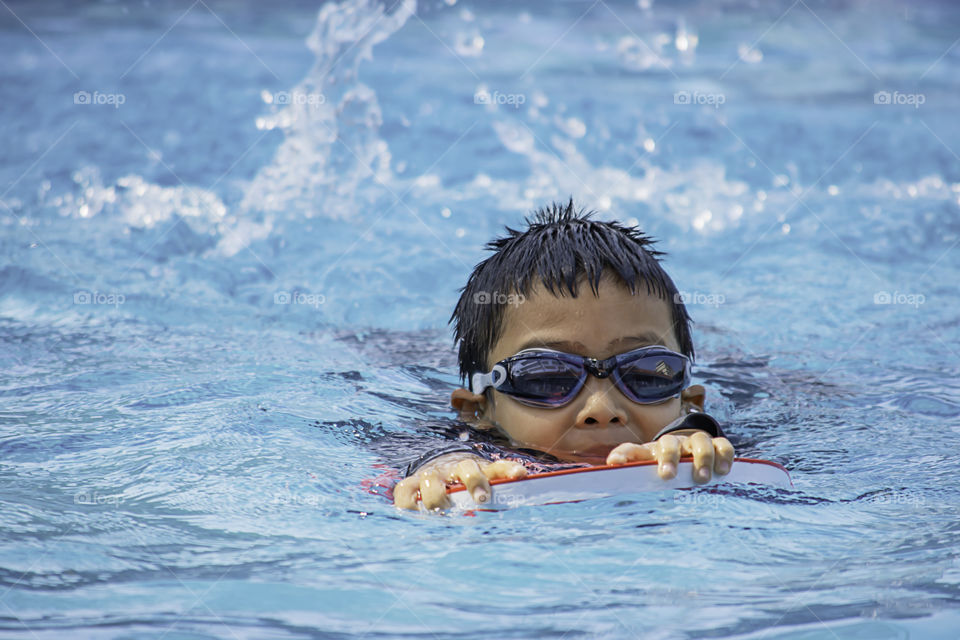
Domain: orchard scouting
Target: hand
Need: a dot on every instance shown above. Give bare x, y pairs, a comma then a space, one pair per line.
710, 455
428, 485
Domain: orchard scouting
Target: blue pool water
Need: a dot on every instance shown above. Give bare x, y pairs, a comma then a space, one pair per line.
231, 235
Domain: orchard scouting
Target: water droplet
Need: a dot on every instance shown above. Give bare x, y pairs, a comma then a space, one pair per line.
469, 45
702, 219
574, 127
749, 54
428, 181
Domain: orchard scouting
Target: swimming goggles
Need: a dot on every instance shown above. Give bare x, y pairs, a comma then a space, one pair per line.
551, 379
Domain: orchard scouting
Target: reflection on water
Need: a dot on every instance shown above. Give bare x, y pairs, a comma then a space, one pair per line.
224, 304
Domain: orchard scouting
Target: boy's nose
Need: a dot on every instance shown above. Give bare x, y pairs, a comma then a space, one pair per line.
601, 405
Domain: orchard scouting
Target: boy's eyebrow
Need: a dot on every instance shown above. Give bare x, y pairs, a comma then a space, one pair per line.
647, 338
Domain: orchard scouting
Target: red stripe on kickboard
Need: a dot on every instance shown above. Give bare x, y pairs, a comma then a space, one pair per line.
453, 488
383, 484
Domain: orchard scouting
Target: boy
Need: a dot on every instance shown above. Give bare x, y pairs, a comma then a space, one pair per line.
599, 377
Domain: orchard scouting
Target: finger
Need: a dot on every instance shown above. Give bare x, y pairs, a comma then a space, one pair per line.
469, 473
433, 491
631, 452
505, 469
723, 456
700, 447
405, 493
668, 455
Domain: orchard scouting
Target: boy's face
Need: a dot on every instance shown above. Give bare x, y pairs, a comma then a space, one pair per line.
600, 417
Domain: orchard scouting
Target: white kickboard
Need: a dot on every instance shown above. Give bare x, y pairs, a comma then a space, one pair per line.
598, 482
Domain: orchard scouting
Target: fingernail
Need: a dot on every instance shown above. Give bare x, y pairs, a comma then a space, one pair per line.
481, 496
703, 474
668, 469
723, 468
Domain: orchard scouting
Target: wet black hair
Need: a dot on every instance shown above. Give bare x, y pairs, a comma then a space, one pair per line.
560, 246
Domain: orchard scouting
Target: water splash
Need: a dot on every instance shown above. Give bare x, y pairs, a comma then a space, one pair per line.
700, 197
331, 147
330, 120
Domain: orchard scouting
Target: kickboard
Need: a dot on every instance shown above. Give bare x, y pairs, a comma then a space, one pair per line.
574, 485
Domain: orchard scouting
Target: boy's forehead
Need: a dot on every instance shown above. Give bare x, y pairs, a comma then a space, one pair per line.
599, 326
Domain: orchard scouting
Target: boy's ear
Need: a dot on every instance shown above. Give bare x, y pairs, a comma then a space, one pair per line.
692, 398
470, 406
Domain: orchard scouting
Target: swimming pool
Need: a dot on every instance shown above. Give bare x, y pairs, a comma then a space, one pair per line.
232, 237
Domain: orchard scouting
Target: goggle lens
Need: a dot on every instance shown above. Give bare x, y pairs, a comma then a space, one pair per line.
542, 379
546, 378
651, 378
